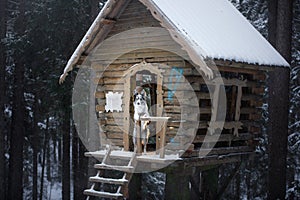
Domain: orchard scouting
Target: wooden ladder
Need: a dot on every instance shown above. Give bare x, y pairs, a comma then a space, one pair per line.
121, 183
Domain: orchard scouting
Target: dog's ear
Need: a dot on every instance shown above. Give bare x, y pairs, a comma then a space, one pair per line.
135, 92
144, 94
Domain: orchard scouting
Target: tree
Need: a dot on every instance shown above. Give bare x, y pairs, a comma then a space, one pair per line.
2, 95
66, 184
15, 185
280, 34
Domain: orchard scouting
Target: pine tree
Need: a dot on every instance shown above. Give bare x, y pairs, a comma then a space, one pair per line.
2, 95
15, 184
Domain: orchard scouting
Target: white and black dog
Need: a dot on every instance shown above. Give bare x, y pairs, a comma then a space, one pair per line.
140, 110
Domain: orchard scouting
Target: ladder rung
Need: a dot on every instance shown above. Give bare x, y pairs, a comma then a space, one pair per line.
128, 169
108, 180
91, 192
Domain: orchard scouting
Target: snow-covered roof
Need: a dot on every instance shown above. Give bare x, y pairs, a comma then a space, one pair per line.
220, 31
205, 28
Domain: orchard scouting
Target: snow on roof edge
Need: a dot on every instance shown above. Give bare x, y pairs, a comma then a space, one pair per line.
267, 59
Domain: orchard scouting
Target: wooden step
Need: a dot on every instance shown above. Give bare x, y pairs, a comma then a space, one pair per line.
128, 169
91, 192
108, 180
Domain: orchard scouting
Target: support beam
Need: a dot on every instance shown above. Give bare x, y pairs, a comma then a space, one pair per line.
210, 183
177, 184
135, 187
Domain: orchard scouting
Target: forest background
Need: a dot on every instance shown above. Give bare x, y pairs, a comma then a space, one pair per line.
41, 156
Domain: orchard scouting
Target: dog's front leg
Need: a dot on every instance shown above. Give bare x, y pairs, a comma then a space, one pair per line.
136, 117
134, 137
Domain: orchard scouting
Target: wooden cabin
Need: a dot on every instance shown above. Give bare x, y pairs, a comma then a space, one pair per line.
204, 68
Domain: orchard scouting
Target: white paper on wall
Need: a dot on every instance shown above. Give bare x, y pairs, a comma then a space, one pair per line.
113, 101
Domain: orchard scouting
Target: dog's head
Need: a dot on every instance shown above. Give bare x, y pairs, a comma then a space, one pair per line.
139, 96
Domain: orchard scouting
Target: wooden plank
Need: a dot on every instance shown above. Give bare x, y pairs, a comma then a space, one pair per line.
132, 42
222, 138
248, 110
108, 180
240, 67
126, 100
128, 169
137, 60
112, 67
138, 137
229, 82
91, 192
114, 121
100, 108
252, 97
226, 125
260, 76
116, 142
107, 22
100, 95
213, 161
159, 108
115, 135
219, 151
185, 96
112, 87
238, 109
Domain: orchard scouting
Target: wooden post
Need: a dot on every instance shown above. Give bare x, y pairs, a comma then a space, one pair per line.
163, 140
195, 183
159, 109
138, 137
210, 183
238, 109
177, 184
134, 186
126, 113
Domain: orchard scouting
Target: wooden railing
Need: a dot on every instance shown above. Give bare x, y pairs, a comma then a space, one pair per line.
161, 135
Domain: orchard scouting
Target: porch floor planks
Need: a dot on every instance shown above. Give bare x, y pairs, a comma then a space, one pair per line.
126, 155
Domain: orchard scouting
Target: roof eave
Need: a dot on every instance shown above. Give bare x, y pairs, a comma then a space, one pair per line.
99, 23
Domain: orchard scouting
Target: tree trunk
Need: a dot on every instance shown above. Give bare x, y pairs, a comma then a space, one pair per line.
272, 22
284, 29
44, 161
83, 170
35, 146
15, 185
279, 103
66, 155
2, 95
48, 161
278, 131
75, 164
35, 172
80, 163
17, 138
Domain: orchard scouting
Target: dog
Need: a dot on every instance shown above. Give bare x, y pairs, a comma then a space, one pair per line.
140, 110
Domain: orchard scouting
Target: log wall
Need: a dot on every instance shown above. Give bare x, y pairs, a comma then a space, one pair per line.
243, 82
